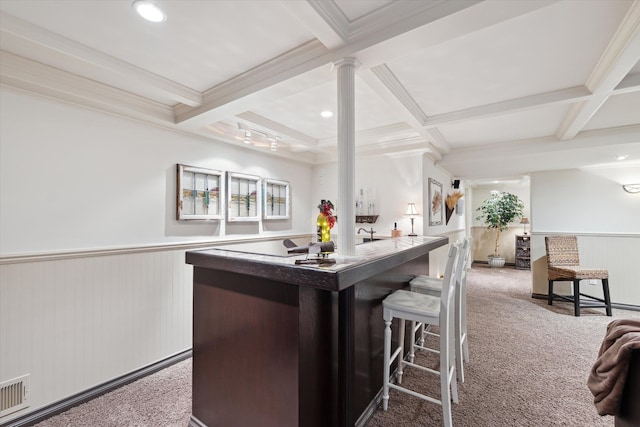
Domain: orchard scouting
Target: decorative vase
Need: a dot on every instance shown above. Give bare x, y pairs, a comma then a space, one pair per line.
324, 231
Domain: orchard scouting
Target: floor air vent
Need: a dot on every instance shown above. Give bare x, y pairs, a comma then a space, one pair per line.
14, 395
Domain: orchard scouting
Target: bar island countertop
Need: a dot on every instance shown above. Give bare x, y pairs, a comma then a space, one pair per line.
280, 344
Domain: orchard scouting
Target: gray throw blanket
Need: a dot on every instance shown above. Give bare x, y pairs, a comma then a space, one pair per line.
609, 372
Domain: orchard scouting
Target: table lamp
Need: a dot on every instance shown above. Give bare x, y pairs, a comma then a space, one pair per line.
412, 213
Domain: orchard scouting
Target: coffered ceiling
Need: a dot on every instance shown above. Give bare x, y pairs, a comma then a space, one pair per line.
487, 89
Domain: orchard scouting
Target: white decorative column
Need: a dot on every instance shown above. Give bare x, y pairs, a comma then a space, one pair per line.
345, 69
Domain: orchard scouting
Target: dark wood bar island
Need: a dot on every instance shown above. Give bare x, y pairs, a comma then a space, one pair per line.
279, 344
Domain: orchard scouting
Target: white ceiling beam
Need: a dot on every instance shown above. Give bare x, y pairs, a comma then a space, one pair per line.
65, 46
372, 135
561, 96
465, 20
332, 16
620, 56
311, 55
305, 65
280, 130
221, 132
631, 83
321, 29
519, 151
407, 148
545, 153
382, 81
27, 75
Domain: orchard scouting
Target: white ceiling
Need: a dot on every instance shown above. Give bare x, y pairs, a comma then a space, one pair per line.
487, 89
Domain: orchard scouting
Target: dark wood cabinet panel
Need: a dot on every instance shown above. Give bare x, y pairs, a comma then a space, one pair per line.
272, 353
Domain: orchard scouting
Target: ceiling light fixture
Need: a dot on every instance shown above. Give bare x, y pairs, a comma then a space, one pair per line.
257, 137
149, 11
622, 157
631, 188
326, 114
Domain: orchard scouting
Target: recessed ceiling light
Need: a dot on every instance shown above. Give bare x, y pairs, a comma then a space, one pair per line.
326, 114
149, 11
622, 157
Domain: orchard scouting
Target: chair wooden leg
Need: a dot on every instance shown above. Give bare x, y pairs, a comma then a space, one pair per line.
607, 298
400, 371
550, 296
459, 350
576, 298
412, 341
387, 356
445, 385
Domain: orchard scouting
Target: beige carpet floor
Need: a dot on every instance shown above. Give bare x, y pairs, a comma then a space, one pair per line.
529, 366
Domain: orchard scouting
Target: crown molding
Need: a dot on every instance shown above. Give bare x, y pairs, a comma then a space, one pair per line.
333, 16
384, 83
393, 85
618, 58
64, 47
228, 96
30, 76
560, 96
630, 83
548, 144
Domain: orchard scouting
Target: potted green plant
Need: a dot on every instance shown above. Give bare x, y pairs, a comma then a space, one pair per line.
498, 212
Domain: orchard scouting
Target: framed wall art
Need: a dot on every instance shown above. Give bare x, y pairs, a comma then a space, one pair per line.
435, 202
276, 199
200, 193
243, 197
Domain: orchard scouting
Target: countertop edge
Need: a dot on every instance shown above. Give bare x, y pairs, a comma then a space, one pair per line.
317, 277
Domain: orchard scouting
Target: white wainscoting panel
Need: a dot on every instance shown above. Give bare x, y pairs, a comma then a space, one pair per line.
76, 323
618, 253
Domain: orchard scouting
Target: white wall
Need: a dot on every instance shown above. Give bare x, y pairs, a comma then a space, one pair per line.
586, 200
74, 178
93, 280
457, 221
455, 229
591, 204
391, 182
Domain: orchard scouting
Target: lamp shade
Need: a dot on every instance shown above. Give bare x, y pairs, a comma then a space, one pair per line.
524, 220
411, 210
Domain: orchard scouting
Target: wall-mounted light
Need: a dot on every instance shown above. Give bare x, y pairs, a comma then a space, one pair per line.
631, 188
412, 213
149, 11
